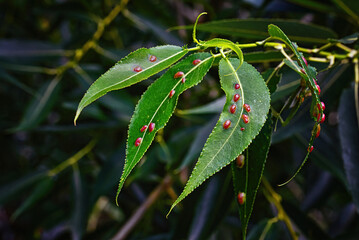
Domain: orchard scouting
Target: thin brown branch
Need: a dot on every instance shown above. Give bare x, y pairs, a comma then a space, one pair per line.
140, 212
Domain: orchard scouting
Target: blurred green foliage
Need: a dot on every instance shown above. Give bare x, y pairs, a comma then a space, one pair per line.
59, 181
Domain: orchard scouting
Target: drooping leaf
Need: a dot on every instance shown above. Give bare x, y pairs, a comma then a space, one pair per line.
257, 29
224, 145
39, 106
80, 208
351, 8
215, 201
132, 69
156, 106
248, 178
349, 140
276, 33
352, 38
198, 142
309, 75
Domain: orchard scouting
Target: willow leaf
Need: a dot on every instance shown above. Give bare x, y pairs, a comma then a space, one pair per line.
132, 69
156, 106
248, 178
277, 33
309, 75
224, 145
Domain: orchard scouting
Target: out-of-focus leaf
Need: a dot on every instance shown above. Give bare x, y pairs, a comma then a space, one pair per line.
160, 32
248, 178
260, 57
132, 69
17, 83
40, 106
41, 189
213, 107
284, 90
350, 7
214, 203
349, 140
348, 39
198, 143
315, 5
257, 29
79, 213
107, 178
27, 48
307, 226
9, 190
272, 79
224, 145
157, 105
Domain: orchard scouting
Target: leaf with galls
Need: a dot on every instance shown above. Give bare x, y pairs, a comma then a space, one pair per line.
137, 66
227, 141
157, 104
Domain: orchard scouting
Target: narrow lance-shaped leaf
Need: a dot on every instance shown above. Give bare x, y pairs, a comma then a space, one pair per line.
277, 33
226, 142
157, 105
247, 177
257, 29
132, 69
309, 75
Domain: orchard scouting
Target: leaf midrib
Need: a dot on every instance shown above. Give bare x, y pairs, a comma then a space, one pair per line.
239, 119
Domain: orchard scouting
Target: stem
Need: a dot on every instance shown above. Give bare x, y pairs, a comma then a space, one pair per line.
140, 212
267, 227
276, 199
72, 160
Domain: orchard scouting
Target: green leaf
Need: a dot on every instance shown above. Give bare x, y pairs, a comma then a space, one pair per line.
309, 75
248, 178
347, 40
276, 33
123, 75
157, 107
260, 57
39, 106
350, 7
257, 29
224, 145
224, 43
320, 7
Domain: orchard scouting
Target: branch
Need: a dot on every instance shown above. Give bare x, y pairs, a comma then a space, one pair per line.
140, 212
